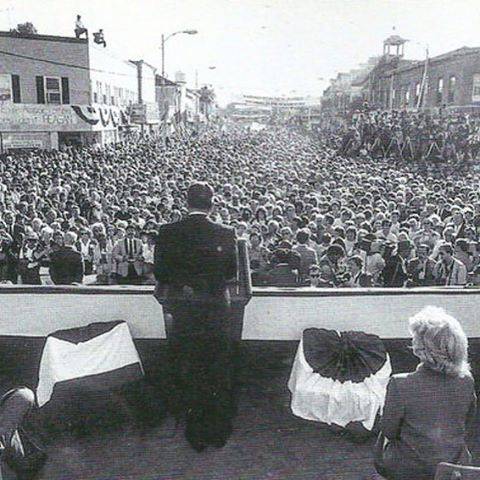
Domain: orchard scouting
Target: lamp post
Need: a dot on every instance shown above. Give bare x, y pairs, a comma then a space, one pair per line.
165, 38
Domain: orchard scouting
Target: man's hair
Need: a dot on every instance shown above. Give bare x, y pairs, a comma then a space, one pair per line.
357, 259
447, 247
70, 238
303, 236
200, 196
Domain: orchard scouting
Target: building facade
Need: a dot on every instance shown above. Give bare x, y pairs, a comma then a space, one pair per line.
447, 82
57, 91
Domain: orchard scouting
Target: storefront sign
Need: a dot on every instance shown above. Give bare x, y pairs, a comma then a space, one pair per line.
25, 140
59, 118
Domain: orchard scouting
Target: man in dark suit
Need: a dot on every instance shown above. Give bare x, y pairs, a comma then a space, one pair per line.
195, 259
66, 264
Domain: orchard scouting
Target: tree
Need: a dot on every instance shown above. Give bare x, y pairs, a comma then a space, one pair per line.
26, 28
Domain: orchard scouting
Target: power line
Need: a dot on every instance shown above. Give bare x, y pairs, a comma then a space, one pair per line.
70, 65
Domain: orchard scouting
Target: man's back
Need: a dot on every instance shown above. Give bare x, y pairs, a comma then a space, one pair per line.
66, 266
196, 252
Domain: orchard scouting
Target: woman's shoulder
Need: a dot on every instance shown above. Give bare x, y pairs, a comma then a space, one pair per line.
423, 374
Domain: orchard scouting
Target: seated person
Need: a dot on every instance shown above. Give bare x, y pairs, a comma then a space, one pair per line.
19, 457
320, 275
356, 277
308, 256
99, 38
282, 274
428, 412
80, 28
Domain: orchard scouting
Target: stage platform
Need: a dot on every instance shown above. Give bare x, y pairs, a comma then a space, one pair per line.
268, 441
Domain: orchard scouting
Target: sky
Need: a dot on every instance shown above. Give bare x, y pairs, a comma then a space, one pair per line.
259, 47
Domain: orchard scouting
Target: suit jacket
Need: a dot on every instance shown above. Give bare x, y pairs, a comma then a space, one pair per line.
457, 275
120, 256
66, 266
421, 274
197, 253
425, 418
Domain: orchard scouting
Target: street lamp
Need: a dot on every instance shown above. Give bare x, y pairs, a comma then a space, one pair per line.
165, 38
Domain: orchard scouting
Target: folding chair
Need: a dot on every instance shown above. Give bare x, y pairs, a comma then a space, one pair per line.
449, 471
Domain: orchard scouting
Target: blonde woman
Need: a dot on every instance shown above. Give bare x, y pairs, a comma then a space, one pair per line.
427, 412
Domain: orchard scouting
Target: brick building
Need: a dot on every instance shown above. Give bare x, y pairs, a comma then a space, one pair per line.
61, 90
450, 81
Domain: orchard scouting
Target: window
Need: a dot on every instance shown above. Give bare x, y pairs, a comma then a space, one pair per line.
16, 94
95, 97
476, 88
407, 95
440, 91
417, 93
53, 91
107, 94
452, 81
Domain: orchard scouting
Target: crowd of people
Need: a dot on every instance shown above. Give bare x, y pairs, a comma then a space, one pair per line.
412, 136
313, 211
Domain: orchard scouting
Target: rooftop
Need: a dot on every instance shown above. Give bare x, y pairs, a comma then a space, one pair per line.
48, 38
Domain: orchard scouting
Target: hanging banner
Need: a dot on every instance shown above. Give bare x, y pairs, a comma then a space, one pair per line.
5, 88
476, 88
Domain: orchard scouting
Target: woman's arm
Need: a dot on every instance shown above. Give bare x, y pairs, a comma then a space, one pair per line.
393, 412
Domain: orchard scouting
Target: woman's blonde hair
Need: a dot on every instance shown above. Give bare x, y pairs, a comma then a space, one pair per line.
439, 341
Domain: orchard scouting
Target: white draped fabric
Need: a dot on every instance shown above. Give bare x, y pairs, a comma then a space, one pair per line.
62, 360
326, 400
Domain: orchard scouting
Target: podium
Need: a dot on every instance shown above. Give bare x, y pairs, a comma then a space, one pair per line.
240, 291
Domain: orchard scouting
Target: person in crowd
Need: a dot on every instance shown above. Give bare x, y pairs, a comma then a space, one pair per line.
149, 239
462, 252
29, 260
308, 256
66, 264
102, 260
128, 255
282, 273
86, 246
258, 257
448, 270
395, 273
357, 277
416, 432
420, 269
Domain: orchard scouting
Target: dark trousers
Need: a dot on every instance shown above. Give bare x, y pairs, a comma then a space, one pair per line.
201, 369
132, 277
